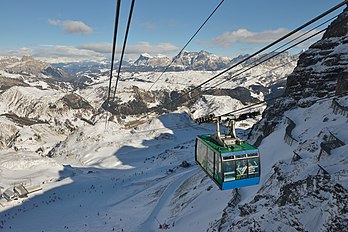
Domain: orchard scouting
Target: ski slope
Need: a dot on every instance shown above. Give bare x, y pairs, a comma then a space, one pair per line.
121, 185
113, 178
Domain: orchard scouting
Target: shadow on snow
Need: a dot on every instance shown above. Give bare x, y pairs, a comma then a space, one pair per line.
94, 199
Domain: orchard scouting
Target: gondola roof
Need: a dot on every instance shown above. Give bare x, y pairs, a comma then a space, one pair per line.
243, 146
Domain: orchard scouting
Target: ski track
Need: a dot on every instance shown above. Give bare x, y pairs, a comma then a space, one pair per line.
165, 198
133, 195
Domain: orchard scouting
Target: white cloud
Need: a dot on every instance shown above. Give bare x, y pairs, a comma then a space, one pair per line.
242, 35
97, 47
76, 27
55, 53
54, 22
96, 51
135, 49
71, 26
62, 50
145, 47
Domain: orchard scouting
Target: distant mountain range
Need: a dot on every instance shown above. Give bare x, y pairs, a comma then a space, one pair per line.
86, 73
198, 61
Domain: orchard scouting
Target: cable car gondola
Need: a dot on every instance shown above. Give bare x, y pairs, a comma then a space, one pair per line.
229, 161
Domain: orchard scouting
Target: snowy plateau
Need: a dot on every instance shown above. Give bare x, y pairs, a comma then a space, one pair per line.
134, 169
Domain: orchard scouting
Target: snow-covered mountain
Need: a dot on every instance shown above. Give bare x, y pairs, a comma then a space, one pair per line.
304, 143
129, 171
201, 61
197, 61
320, 71
28, 66
57, 135
303, 188
152, 61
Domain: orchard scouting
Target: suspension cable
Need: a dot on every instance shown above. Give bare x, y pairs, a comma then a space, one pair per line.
271, 57
262, 49
275, 98
230, 78
332, 94
175, 57
217, 84
289, 42
124, 46
263, 57
117, 16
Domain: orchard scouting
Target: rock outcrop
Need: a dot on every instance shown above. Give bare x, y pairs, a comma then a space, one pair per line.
322, 64
316, 75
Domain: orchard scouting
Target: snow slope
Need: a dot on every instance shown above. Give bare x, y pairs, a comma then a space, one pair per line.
297, 194
128, 173
114, 178
121, 182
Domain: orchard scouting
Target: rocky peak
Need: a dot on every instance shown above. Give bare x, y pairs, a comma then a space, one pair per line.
27, 58
202, 60
148, 60
322, 64
339, 27
32, 68
316, 75
27, 66
143, 57
55, 72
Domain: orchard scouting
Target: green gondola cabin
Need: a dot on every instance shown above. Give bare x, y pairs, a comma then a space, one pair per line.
230, 162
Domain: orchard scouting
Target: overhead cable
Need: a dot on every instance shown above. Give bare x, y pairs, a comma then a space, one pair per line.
264, 48
267, 55
124, 46
275, 98
165, 70
230, 78
273, 56
117, 16
262, 58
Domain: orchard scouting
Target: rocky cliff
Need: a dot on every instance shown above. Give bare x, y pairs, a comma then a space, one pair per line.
322, 64
318, 70
306, 189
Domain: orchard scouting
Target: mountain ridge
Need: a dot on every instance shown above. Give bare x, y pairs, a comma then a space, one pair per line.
306, 190
198, 61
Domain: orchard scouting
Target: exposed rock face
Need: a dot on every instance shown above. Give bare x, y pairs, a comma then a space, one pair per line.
339, 27
316, 75
54, 72
319, 67
297, 196
75, 101
8, 134
342, 84
6, 83
147, 60
201, 61
311, 204
185, 61
28, 66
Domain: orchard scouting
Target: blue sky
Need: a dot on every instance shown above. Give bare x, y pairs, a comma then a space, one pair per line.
83, 29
